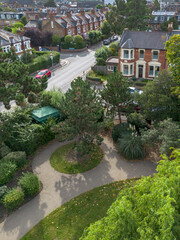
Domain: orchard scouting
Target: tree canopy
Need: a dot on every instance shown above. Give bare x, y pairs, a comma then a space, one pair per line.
15, 82
50, 3
106, 28
148, 210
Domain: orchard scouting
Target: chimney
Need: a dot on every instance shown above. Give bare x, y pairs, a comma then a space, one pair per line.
37, 17
93, 11
82, 12
68, 14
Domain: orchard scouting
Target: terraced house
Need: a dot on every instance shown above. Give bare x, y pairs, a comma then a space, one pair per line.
10, 40
142, 54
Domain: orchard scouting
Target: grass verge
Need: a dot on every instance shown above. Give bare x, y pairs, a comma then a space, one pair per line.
59, 160
69, 221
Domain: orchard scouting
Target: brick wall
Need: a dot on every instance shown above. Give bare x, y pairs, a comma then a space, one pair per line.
57, 29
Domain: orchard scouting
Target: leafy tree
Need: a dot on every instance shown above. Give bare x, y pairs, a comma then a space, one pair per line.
7, 28
114, 48
78, 40
131, 14
55, 40
35, 35
82, 106
26, 57
164, 25
173, 57
50, 3
116, 93
99, 6
15, 82
24, 20
156, 5
68, 39
157, 102
106, 28
137, 120
17, 26
166, 135
148, 210
47, 38
103, 52
52, 98
94, 36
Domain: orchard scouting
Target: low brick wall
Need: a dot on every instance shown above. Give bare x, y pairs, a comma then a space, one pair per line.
73, 50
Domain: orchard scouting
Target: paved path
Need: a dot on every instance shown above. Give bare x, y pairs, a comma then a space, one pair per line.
58, 188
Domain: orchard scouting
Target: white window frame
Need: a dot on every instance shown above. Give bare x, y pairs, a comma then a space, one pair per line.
130, 57
140, 53
110, 68
95, 25
69, 32
79, 30
91, 26
154, 59
154, 65
129, 65
84, 28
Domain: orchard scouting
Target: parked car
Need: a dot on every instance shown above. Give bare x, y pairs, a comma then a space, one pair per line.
115, 38
44, 72
106, 41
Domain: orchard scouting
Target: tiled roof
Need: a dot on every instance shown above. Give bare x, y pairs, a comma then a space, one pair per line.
144, 40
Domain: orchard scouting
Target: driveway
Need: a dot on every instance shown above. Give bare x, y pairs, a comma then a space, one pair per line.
59, 188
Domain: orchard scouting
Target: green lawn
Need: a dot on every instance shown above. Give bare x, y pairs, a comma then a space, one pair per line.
59, 163
68, 221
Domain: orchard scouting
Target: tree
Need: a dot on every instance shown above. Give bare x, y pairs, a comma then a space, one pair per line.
15, 82
24, 20
156, 5
94, 36
47, 38
55, 40
103, 52
50, 3
147, 210
173, 57
68, 39
116, 93
17, 26
131, 14
164, 25
137, 120
81, 105
106, 28
78, 40
35, 35
157, 102
99, 6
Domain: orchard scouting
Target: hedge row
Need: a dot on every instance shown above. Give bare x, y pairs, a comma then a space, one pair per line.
43, 61
73, 45
139, 83
98, 79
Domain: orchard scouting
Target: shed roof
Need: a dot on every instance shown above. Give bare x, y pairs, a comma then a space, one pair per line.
41, 114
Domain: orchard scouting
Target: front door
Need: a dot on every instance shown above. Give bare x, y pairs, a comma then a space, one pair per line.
140, 71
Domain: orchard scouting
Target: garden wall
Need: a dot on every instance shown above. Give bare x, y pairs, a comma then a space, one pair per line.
97, 68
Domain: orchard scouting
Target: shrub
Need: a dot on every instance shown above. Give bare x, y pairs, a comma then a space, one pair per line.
93, 78
119, 130
131, 147
29, 183
55, 40
4, 150
140, 84
13, 198
100, 61
68, 39
19, 158
108, 124
7, 170
3, 190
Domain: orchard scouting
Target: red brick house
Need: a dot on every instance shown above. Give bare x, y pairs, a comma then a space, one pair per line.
142, 54
19, 43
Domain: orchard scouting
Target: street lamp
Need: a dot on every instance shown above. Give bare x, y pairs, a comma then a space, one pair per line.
51, 57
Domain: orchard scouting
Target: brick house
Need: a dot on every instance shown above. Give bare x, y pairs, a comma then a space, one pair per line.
19, 43
142, 54
10, 17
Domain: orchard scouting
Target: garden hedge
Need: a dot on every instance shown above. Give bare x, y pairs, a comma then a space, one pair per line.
3, 190
13, 198
7, 170
98, 79
4, 150
43, 61
19, 158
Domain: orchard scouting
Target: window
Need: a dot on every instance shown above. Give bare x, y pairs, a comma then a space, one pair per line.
156, 18
125, 69
3, 16
110, 68
126, 53
131, 69
131, 54
52, 24
69, 32
100, 23
151, 70
141, 54
168, 17
155, 55
8, 16
95, 25
156, 70
91, 27
178, 18
17, 16
79, 30
162, 18
84, 28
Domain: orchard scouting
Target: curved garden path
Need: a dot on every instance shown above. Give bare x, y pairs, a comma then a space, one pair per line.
58, 188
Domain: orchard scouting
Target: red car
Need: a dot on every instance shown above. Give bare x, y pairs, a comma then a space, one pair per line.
44, 72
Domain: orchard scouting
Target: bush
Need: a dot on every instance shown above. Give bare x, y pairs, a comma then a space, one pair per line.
131, 147
3, 190
119, 130
4, 150
13, 198
93, 78
100, 62
55, 40
68, 39
19, 158
30, 184
140, 84
7, 170
108, 124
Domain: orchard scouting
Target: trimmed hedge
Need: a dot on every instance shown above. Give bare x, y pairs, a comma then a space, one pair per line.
30, 184
139, 83
7, 170
3, 190
43, 61
13, 198
98, 79
19, 158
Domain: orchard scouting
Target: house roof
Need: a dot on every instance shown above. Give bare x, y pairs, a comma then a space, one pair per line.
175, 32
144, 40
32, 24
113, 59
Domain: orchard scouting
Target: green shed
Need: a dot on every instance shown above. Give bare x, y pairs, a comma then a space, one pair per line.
41, 114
